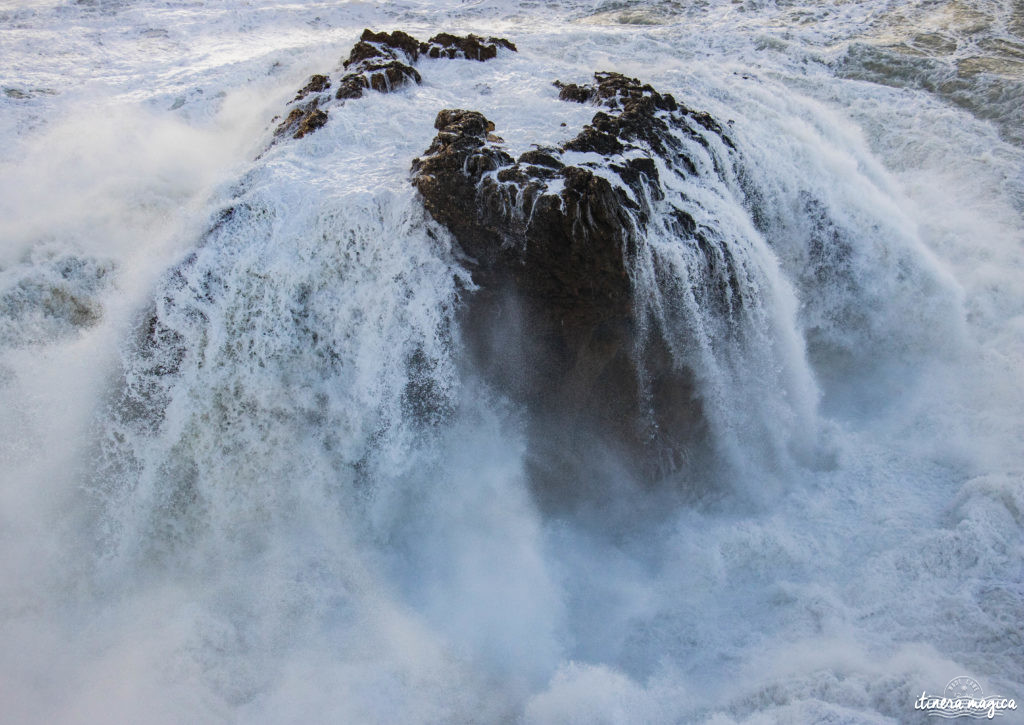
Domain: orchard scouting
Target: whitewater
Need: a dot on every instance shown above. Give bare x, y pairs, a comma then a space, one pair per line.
223, 499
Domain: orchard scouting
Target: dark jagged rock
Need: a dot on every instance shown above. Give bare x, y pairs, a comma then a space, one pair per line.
638, 104
383, 45
614, 90
383, 77
302, 120
382, 62
542, 157
575, 93
311, 122
386, 77
317, 84
470, 47
351, 86
552, 245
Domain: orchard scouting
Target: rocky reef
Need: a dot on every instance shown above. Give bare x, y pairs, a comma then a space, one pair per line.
383, 62
553, 237
554, 241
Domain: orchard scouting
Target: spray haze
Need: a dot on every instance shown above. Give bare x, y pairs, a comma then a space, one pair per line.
268, 457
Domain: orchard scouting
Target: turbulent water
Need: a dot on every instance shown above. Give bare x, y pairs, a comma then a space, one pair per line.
224, 499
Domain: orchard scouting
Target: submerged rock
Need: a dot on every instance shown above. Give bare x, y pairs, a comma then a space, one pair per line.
45, 299
553, 242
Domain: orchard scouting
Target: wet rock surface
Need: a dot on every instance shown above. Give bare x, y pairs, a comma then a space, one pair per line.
382, 62
317, 84
471, 47
302, 121
553, 240
379, 61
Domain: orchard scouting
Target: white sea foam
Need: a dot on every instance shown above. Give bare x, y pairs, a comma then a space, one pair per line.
297, 505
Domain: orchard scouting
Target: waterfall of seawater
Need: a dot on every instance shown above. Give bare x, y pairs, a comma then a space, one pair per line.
248, 474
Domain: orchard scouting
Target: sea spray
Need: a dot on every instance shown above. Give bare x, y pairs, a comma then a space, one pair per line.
326, 547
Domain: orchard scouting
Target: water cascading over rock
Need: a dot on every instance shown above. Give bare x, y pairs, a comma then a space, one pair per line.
553, 238
563, 320
611, 300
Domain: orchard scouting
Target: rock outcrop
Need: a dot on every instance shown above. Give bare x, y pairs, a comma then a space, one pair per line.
553, 237
382, 62
470, 47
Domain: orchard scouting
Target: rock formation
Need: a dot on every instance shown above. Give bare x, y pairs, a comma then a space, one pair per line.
553, 238
382, 62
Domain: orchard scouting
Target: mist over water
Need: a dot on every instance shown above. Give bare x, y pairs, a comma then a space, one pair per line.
250, 476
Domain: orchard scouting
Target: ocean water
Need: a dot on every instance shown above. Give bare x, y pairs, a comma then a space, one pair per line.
220, 500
